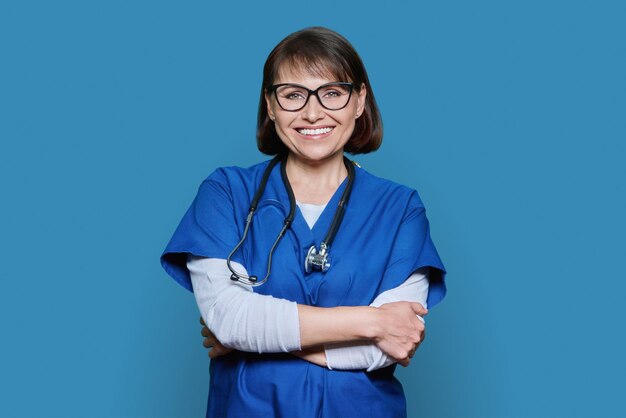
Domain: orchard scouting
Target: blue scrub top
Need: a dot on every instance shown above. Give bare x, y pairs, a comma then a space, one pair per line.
383, 239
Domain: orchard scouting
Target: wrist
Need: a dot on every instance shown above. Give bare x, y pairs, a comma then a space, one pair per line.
370, 329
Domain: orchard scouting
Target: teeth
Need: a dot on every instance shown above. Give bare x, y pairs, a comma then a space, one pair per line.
314, 131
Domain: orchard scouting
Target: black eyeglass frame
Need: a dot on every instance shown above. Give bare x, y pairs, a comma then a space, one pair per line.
350, 86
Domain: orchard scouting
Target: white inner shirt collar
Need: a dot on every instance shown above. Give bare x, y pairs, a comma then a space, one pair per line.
311, 212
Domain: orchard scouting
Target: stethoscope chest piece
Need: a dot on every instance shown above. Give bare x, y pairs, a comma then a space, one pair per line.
317, 260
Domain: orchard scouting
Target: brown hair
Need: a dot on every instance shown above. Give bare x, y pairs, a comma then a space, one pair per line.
321, 52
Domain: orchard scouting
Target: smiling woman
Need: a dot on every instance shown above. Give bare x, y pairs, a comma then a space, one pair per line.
319, 55
318, 335
317, 129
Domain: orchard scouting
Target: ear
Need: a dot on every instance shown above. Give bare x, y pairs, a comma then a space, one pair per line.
268, 103
360, 106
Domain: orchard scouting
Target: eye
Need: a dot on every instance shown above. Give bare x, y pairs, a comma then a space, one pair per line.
332, 93
292, 93
294, 96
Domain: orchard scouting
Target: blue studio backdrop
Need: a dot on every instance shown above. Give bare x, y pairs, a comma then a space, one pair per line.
508, 117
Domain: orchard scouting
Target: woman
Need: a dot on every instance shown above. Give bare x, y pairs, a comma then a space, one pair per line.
309, 335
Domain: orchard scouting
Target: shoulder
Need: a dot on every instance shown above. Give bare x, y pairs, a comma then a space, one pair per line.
388, 190
229, 177
232, 184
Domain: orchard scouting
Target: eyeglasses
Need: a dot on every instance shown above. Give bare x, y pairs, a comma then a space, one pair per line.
293, 97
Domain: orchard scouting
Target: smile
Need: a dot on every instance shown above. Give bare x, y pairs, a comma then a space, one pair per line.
314, 132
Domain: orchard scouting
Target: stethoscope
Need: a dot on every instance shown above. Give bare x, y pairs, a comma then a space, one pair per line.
315, 259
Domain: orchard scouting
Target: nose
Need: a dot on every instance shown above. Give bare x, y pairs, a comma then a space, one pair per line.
313, 110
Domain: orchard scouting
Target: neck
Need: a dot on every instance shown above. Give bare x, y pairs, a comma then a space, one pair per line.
315, 182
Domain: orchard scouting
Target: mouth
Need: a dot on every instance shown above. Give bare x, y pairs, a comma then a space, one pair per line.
315, 132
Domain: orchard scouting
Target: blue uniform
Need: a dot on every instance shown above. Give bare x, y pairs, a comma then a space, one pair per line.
384, 237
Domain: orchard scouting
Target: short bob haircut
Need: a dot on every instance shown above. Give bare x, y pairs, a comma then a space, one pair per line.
322, 52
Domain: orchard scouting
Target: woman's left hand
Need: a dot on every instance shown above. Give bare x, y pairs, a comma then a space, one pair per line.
400, 331
210, 341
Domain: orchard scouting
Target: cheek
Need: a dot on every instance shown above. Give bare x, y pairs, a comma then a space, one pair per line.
282, 124
349, 120
282, 129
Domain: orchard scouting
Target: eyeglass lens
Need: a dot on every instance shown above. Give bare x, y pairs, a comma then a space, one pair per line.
332, 97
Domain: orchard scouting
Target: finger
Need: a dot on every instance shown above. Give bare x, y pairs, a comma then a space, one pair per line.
216, 352
202, 321
206, 332
419, 325
208, 343
419, 309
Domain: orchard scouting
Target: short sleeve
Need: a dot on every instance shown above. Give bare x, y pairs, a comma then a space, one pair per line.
208, 229
413, 249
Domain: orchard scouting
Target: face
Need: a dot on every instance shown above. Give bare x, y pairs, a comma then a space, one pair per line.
313, 133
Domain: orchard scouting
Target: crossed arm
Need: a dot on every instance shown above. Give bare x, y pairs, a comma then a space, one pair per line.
356, 337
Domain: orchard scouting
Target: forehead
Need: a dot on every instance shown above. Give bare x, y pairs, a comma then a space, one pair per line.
303, 73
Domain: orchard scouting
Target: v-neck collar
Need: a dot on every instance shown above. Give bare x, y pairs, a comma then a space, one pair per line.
303, 236
309, 236
311, 212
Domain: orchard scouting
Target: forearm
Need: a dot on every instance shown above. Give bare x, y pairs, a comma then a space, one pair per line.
366, 354
255, 323
315, 355
252, 322
247, 321
239, 318
363, 355
336, 325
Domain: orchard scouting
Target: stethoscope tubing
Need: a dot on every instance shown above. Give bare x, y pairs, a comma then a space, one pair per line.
330, 235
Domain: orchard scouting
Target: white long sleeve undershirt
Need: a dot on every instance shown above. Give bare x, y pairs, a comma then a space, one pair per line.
233, 312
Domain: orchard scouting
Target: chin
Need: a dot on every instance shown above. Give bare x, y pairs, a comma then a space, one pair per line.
317, 156
314, 151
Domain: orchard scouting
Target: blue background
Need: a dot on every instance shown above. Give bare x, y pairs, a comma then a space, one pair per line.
508, 117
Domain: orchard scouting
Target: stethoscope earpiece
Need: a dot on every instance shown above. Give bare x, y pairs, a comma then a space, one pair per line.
251, 279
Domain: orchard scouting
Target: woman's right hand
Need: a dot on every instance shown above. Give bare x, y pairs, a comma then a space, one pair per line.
212, 343
400, 330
